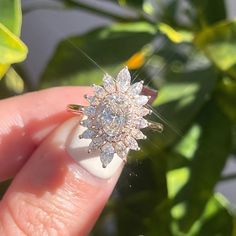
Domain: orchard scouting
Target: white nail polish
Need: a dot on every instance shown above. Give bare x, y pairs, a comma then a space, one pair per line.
78, 150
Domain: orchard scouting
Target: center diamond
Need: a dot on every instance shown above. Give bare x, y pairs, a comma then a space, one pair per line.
112, 122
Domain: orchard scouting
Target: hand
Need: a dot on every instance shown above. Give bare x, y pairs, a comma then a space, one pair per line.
57, 188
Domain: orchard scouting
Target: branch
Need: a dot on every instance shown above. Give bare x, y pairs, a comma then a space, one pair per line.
41, 6
228, 177
105, 12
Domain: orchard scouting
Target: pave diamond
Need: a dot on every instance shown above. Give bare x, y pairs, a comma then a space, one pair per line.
115, 117
88, 134
89, 111
87, 123
92, 100
96, 142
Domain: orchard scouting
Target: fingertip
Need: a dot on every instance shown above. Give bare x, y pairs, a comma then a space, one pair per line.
52, 185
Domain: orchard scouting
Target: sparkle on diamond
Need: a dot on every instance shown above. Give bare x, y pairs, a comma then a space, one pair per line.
115, 116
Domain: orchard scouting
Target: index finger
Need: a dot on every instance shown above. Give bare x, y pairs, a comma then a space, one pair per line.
27, 119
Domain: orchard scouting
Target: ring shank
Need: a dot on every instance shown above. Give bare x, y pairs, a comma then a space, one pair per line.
75, 108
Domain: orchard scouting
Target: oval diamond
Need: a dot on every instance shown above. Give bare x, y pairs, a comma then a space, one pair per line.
112, 123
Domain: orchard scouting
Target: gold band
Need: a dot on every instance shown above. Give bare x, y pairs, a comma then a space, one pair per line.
77, 109
155, 126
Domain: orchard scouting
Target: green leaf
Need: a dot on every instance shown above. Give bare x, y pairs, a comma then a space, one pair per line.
226, 97
76, 60
207, 164
174, 35
179, 100
12, 49
136, 3
215, 219
218, 42
209, 12
11, 84
176, 180
10, 15
189, 143
3, 69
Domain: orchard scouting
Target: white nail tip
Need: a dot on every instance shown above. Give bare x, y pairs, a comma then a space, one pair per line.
78, 150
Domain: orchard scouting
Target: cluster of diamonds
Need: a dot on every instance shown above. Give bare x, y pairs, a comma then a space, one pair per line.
115, 116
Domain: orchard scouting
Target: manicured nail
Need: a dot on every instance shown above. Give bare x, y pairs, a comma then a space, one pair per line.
78, 150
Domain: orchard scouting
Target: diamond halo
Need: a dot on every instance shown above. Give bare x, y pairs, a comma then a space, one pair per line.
114, 117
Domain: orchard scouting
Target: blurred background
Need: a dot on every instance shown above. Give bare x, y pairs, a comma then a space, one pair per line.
183, 180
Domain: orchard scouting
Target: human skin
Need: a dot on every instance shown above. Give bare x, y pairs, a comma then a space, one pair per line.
51, 194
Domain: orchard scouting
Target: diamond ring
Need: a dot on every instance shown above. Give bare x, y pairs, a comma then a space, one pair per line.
114, 117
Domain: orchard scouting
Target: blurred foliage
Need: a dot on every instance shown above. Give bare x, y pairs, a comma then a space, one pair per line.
186, 50
12, 49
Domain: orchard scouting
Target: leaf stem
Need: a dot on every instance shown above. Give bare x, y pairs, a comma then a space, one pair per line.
228, 177
138, 15
40, 6
106, 12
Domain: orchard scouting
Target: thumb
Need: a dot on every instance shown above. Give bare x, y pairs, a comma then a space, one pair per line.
61, 190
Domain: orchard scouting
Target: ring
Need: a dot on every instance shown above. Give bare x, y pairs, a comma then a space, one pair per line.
114, 117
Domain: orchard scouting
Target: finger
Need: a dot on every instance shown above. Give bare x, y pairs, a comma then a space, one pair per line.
27, 119
55, 195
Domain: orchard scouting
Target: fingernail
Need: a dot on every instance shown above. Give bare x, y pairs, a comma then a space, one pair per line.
78, 149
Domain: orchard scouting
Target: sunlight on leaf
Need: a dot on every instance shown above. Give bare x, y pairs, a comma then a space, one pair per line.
11, 15
175, 36
176, 180
12, 49
171, 92
3, 69
189, 143
218, 42
215, 219
179, 100
148, 8
203, 173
